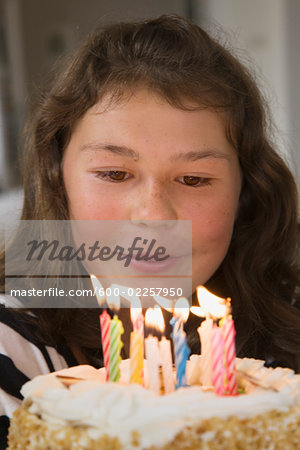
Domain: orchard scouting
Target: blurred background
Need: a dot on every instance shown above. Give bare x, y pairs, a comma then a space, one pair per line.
36, 34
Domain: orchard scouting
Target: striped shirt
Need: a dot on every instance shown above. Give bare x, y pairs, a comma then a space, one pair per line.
22, 357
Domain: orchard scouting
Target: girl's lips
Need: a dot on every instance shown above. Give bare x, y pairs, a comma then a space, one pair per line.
153, 266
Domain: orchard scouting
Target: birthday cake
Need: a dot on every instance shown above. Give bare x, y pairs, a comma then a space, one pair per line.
77, 409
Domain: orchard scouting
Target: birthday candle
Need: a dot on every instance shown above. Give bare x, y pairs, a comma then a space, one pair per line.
116, 329
137, 342
229, 349
181, 351
153, 359
105, 338
104, 321
205, 331
166, 362
136, 357
217, 359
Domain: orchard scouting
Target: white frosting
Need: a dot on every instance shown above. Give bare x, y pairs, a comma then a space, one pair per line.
121, 409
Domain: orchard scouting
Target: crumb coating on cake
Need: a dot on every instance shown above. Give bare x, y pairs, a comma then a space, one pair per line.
92, 414
273, 430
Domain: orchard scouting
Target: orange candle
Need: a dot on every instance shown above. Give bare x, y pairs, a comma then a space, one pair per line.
136, 358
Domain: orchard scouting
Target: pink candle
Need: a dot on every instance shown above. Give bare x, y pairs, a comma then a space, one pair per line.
105, 337
229, 349
217, 360
205, 331
137, 342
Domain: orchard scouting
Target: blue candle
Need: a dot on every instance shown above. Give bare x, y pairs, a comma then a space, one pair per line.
181, 351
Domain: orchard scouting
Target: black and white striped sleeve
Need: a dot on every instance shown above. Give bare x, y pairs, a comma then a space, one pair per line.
21, 358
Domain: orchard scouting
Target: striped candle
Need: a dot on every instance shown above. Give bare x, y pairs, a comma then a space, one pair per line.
105, 338
116, 329
217, 360
205, 331
181, 351
228, 331
136, 357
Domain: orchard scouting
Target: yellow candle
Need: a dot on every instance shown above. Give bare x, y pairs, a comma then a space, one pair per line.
137, 342
136, 358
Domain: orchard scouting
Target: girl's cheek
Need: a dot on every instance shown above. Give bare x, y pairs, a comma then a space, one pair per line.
95, 210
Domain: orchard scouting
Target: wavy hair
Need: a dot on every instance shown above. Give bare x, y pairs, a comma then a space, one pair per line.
178, 60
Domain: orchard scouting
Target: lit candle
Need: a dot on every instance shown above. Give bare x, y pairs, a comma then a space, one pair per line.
104, 322
136, 343
228, 331
136, 358
212, 340
166, 363
205, 331
165, 356
181, 349
105, 337
217, 359
116, 329
152, 351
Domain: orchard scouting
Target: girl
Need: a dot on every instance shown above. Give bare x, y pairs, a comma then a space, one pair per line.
155, 120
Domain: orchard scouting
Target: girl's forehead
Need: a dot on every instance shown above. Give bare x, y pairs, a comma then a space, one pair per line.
147, 108
148, 124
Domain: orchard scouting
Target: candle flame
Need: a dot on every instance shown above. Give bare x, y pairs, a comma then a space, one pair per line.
136, 308
98, 288
165, 303
125, 292
182, 308
154, 319
210, 304
199, 311
113, 301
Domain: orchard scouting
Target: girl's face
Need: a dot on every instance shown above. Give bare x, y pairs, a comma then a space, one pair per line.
144, 159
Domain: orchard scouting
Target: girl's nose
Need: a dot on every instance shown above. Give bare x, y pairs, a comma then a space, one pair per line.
152, 203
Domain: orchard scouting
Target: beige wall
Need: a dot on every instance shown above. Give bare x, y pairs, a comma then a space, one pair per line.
268, 32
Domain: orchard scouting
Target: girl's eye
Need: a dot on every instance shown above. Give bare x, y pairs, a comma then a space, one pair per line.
114, 176
190, 180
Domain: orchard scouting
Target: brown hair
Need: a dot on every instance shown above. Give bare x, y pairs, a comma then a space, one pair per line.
179, 61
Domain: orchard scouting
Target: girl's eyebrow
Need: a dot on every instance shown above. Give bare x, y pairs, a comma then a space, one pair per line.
112, 148
200, 154
206, 153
